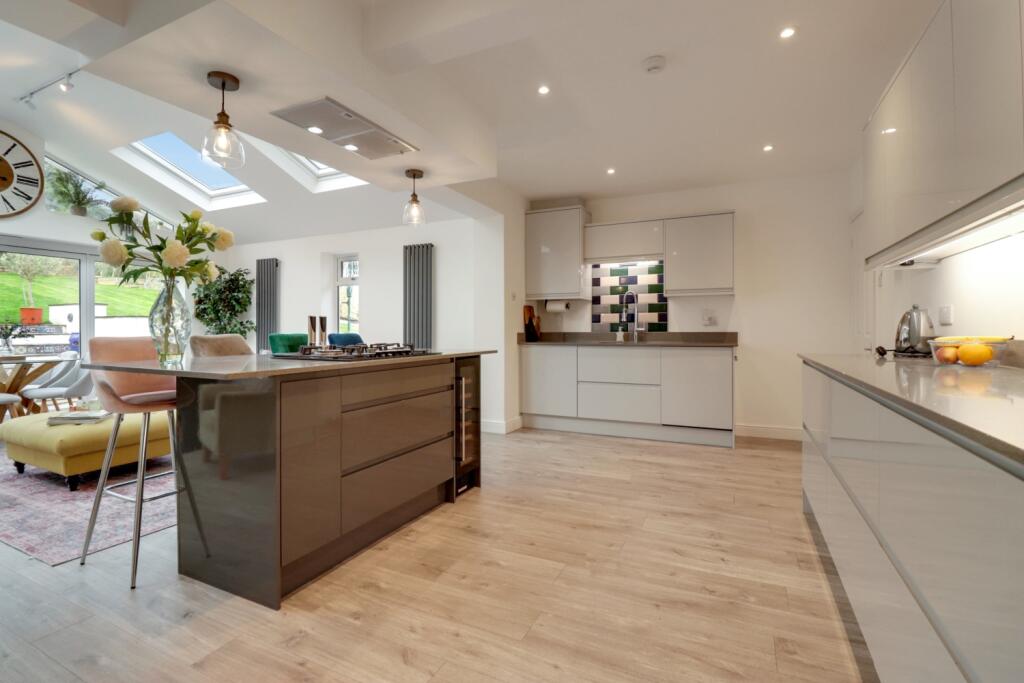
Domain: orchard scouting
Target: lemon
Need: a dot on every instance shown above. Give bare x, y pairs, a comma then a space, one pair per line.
974, 354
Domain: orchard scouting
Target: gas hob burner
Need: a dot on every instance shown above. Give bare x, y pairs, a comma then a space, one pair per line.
355, 352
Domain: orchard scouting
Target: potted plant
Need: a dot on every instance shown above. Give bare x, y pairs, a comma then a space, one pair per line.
28, 267
221, 303
9, 331
175, 252
72, 191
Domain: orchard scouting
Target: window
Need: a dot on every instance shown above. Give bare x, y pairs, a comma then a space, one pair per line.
320, 176
175, 154
348, 293
57, 203
123, 310
41, 296
179, 167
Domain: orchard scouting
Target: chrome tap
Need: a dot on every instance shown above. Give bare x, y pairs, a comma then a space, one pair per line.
624, 315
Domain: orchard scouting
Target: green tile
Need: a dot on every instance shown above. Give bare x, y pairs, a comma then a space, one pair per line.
618, 271
657, 327
653, 289
656, 270
615, 308
620, 289
656, 308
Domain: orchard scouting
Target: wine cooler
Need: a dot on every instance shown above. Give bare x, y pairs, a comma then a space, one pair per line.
467, 423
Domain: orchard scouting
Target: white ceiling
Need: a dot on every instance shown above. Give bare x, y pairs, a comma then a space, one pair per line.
458, 79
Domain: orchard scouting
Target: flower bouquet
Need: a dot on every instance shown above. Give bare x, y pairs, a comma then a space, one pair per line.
182, 251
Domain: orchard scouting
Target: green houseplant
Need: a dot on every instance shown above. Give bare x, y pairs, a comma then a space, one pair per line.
221, 303
72, 192
182, 251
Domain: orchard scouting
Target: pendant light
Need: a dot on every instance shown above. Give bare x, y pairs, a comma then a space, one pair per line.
222, 145
413, 214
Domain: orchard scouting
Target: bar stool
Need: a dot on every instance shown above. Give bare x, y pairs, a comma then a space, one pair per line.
124, 393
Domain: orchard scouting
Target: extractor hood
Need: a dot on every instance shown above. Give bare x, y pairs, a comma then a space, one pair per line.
337, 123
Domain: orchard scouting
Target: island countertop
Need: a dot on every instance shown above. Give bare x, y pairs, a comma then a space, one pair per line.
261, 366
981, 409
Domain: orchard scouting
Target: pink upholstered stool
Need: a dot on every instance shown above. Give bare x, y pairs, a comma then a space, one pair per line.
123, 393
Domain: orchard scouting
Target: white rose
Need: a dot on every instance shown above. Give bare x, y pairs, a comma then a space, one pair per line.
212, 272
207, 228
125, 205
175, 254
195, 214
113, 252
223, 239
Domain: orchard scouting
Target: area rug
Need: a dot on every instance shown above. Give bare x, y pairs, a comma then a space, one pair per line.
41, 518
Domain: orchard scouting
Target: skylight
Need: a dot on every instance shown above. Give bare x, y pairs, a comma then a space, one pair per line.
174, 153
319, 169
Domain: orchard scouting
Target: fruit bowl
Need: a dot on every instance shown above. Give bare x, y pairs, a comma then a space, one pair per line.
971, 351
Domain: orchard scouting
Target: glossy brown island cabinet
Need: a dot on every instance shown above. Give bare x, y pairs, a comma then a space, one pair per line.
293, 474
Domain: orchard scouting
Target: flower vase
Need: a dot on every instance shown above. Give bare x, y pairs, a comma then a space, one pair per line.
170, 324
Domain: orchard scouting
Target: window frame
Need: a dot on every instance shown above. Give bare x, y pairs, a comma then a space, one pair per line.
342, 281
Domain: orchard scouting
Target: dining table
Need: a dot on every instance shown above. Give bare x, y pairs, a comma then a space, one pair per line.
16, 373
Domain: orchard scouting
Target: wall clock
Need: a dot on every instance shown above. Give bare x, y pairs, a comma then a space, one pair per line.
21, 177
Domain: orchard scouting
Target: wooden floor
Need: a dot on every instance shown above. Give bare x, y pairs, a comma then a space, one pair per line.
583, 558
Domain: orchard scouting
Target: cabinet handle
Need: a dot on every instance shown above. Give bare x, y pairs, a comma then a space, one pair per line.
462, 418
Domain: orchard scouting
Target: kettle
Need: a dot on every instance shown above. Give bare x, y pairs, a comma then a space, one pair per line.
913, 332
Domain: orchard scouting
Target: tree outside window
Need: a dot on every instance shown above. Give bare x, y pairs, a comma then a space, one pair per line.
348, 293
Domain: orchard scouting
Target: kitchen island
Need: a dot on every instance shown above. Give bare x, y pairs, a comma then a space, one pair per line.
297, 464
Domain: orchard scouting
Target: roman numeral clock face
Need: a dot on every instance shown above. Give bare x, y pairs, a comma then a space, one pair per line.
21, 177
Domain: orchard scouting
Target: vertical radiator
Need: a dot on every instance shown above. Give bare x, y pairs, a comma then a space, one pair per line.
266, 301
418, 295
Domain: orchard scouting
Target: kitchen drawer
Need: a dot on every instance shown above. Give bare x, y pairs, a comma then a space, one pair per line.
376, 386
369, 493
620, 364
369, 434
620, 402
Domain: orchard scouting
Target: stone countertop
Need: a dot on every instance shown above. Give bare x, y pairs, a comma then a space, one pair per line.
979, 409
260, 366
722, 339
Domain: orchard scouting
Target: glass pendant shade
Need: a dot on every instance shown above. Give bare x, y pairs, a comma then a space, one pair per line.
222, 145
413, 214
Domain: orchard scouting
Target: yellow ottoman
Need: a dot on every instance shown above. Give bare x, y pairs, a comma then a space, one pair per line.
71, 450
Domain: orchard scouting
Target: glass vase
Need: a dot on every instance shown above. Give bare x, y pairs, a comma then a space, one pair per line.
170, 324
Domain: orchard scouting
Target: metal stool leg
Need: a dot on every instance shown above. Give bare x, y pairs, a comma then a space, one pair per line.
139, 486
179, 466
104, 471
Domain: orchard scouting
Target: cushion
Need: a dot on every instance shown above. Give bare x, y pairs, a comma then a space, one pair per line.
150, 397
32, 432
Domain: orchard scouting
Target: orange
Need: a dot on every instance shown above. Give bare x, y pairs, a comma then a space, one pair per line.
974, 354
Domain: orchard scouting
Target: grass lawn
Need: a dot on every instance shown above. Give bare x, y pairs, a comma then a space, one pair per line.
63, 289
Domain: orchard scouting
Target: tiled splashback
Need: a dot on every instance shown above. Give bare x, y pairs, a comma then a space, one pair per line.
608, 285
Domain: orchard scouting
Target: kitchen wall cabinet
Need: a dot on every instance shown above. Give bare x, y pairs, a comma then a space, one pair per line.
548, 379
554, 254
927, 538
948, 130
697, 387
614, 242
699, 255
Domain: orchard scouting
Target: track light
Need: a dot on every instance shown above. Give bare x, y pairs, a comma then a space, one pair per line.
66, 85
27, 101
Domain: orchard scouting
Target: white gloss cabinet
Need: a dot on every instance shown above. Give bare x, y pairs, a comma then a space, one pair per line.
554, 254
697, 387
548, 379
895, 499
620, 364
699, 255
612, 242
620, 402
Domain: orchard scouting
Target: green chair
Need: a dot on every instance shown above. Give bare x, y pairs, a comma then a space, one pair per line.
284, 342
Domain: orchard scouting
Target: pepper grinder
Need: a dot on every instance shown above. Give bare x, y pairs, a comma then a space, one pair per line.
323, 331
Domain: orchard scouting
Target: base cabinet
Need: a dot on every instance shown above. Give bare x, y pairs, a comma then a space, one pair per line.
927, 537
696, 387
548, 379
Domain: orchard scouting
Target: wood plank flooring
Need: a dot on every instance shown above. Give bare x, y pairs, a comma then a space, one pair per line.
583, 558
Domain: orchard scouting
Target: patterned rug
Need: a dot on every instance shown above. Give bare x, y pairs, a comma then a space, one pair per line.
41, 518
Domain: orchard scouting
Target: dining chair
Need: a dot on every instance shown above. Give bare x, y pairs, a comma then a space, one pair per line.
285, 342
219, 345
77, 383
124, 393
10, 403
344, 338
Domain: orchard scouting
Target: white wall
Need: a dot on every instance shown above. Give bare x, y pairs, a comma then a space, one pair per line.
985, 286
793, 292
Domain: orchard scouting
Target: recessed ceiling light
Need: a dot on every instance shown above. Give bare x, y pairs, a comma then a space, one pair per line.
787, 32
352, 148
888, 131
543, 90
768, 148
315, 130
610, 171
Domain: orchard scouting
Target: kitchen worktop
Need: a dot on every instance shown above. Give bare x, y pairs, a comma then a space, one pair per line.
981, 409
260, 366
724, 339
